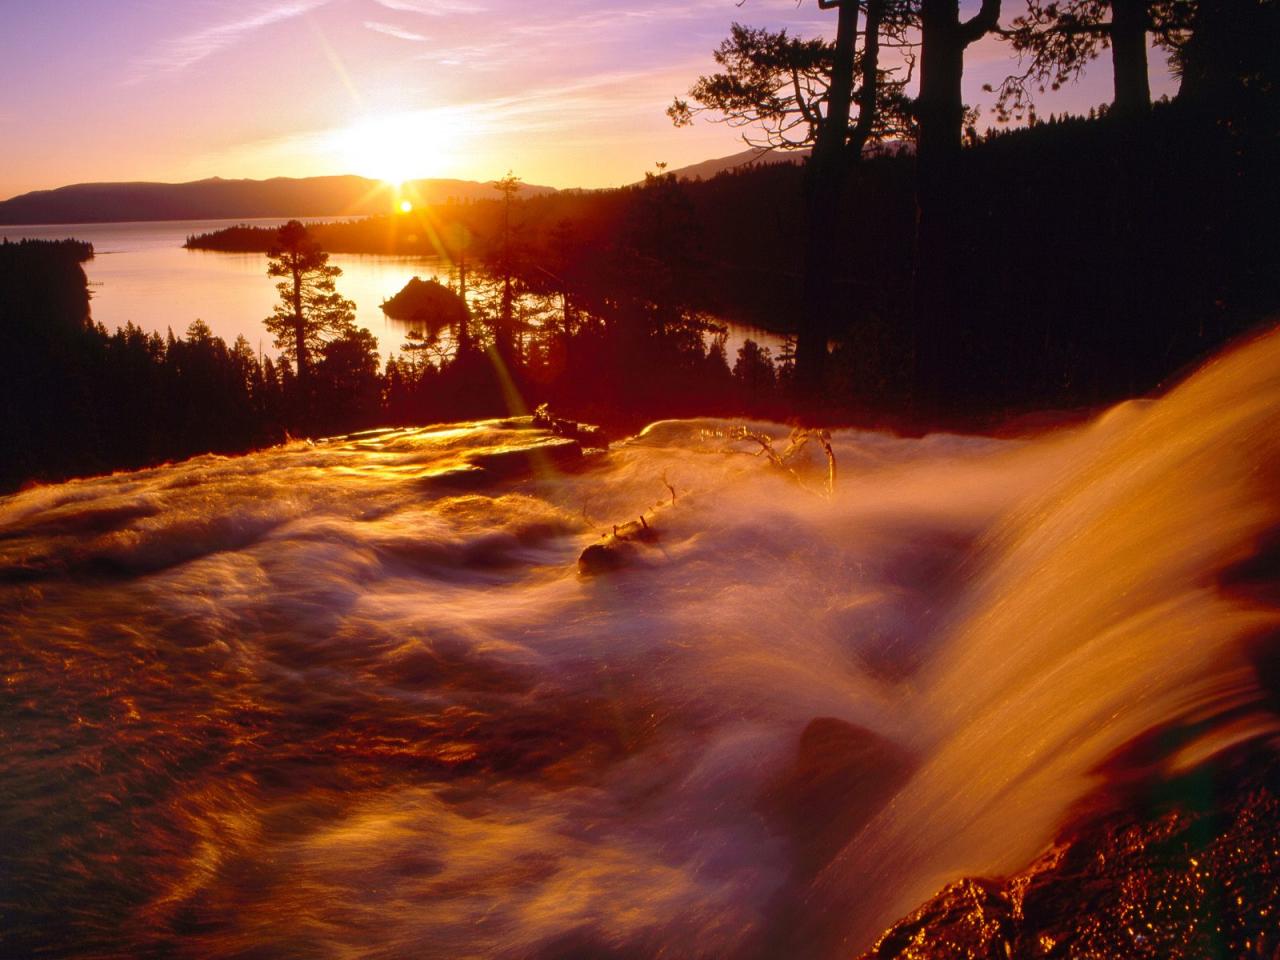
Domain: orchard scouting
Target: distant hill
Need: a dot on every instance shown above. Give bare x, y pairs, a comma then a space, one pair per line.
218, 199
756, 156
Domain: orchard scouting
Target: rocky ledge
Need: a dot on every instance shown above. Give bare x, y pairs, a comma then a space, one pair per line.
1187, 868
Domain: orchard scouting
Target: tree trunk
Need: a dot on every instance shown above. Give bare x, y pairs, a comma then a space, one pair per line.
936, 325
504, 336
299, 329
824, 184
464, 326
940, 114
1129, 57
869, 88
940, 109
1127, 271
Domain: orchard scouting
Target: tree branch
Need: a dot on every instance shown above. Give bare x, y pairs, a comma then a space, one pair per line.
800, 100
981, 23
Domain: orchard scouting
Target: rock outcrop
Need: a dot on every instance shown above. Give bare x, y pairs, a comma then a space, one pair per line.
1186, 869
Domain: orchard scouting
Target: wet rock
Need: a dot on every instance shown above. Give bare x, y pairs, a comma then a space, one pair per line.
969, 919
1186, 869
601, 558
587, 434
840, 776
616, 549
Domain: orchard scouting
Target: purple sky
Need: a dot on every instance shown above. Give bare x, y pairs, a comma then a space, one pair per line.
563, 92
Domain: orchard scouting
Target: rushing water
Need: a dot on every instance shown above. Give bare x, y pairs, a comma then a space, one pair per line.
354, 699
141, 274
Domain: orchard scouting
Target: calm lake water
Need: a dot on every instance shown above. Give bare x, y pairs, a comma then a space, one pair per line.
141, 273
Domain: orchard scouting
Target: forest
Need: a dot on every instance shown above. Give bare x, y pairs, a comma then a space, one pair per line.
1057, 266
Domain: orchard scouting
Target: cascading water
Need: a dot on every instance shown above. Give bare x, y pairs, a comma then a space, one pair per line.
1097, 617
356, 699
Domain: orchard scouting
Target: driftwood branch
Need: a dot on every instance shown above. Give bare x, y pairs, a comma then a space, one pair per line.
667, 484
795, 443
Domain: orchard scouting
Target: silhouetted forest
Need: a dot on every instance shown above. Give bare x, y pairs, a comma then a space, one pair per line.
1090, 259
77, 399
1097, 257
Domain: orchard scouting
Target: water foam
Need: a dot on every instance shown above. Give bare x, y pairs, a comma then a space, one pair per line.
354, 698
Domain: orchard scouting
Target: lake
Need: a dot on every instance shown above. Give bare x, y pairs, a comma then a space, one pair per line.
141, 273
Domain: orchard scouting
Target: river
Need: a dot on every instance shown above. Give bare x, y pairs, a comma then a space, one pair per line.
354, 698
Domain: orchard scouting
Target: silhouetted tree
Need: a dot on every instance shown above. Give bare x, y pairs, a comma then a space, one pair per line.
940, 113
659, 255
311, 311
801, 93
1228, 60
347, 380
457, 243
1058, 39
754, 371
716, 369
508, 186
939, 109
783, 90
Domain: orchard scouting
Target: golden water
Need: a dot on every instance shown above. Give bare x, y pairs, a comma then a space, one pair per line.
353, 699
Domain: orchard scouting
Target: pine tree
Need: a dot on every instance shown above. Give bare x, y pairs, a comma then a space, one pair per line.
311, 312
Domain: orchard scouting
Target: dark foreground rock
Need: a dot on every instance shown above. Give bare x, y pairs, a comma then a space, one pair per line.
587, 434
1185, 869
840, 776
616, 549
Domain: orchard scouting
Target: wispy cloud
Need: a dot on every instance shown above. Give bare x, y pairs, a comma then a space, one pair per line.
188, 49
488, 56
391, 30
562, 34
432, 8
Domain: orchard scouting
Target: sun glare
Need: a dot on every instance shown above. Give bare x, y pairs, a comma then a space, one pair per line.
393, 147
406, 206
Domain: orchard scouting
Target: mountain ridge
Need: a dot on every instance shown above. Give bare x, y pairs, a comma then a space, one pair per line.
223, 198
751, 157
216, 198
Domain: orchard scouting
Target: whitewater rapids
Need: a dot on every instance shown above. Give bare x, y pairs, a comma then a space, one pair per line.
354, 699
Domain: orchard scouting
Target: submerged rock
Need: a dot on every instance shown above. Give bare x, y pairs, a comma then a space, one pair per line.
616, 549
600, 558
840, 776
1187, 869
587, 434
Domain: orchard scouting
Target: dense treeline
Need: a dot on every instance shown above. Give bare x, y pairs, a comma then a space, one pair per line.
76, 399
1098, 256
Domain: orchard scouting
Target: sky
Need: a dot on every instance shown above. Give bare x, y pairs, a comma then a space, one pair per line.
562, 92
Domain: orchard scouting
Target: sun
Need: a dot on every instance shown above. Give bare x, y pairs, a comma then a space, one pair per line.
393, 148
396, 147
406, 206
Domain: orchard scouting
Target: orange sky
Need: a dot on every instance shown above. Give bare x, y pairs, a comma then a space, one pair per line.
563, 92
